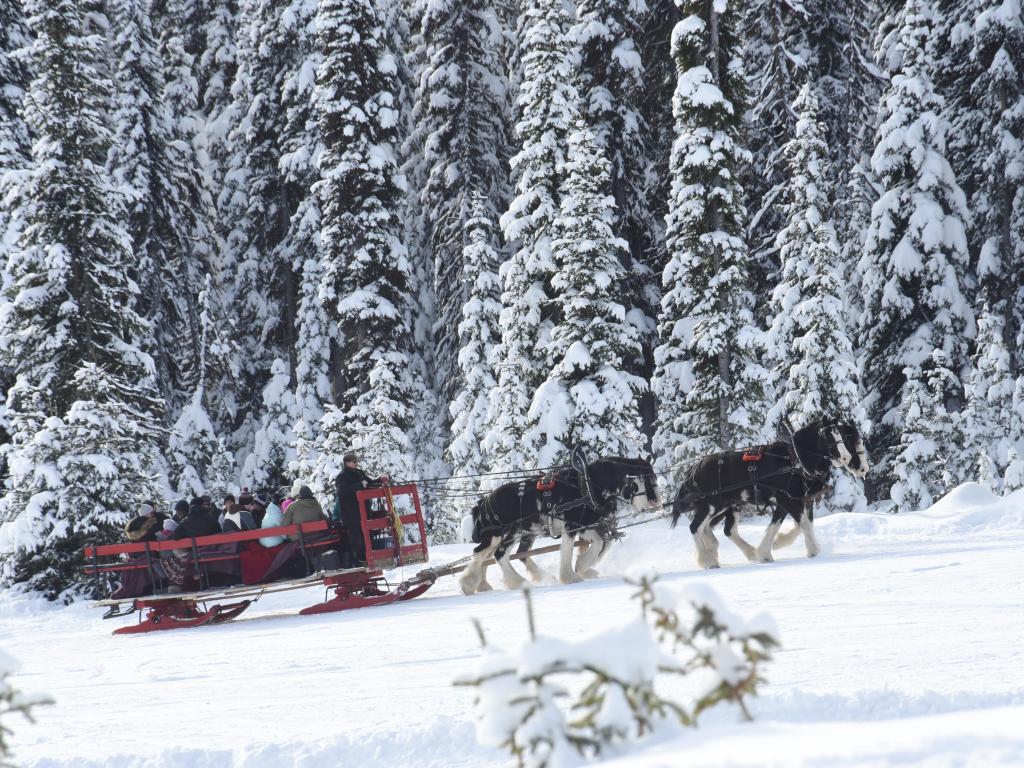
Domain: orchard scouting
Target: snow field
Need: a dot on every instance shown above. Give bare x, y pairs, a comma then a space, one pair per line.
901, 644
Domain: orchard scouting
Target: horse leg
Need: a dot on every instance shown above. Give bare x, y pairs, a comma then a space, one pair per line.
509, 576
787, 538
603, 546
590, 555
733, 532
537, 574
764, 549
806, 523
566, 575
704, 540
473, 576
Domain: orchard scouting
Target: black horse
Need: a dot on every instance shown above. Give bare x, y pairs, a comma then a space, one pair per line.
563, 505
785, 477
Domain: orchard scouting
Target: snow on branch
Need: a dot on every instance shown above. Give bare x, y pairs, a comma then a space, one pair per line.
557, 703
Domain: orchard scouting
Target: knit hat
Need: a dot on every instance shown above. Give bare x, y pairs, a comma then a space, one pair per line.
296, 489
145, 509
181, 506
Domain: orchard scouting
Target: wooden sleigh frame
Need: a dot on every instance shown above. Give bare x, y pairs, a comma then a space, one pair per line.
393, 533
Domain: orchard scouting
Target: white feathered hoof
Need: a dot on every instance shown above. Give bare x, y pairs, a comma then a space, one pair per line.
569, 578
513, 581
469, 585
765, 557
485, 586
591, 573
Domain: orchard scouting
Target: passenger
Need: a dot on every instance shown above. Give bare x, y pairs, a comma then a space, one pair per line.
350, 480
170, 525
198, 522
305, 508
272, 519
237, 518
228, 499
257, 505
145, 525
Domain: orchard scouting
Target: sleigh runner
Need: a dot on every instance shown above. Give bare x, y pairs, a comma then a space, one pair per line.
393, 533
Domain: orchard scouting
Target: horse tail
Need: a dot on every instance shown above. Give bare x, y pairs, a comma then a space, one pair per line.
472, 523
688, 493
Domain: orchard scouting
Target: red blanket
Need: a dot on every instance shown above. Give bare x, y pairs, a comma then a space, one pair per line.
257, 560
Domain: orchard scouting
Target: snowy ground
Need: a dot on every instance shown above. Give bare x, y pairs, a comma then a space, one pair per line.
903, 644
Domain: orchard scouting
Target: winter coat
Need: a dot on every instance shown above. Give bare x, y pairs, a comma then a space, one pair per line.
239, 520
302, 511
348, 481
198, 522
273, 519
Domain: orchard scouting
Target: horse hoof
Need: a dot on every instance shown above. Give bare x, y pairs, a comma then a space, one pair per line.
484, 587
711, 566
466, 589
812, 554
590, 573
569, 579
513, 583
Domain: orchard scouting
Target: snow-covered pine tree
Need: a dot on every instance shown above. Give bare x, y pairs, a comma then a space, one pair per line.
988, 416
655, 105
312, 383
925, 465
365, 281
255, 208
478, 336
589, 399
299, 165
914, 257
839, 38
546, 102
459, 148
997, 202
274, 447
1013, 477
190, 449
814, 369
775, 36
171, 238
70, 327
14, 161
610, 74
14, 139
706, 381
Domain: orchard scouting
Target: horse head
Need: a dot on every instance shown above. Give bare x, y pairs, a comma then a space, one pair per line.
839, 443
631, 480
848, 448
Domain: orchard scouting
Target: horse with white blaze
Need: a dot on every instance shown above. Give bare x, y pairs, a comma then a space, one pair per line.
785, 477
580, 500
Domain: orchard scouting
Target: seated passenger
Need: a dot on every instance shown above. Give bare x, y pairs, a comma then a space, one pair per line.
237, 518
198, 522
170, 525
145, 525
305, 508
272, 519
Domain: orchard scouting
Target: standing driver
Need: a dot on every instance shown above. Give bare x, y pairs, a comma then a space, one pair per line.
348, 481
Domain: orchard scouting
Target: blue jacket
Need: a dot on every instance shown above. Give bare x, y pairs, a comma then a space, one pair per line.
272, 519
